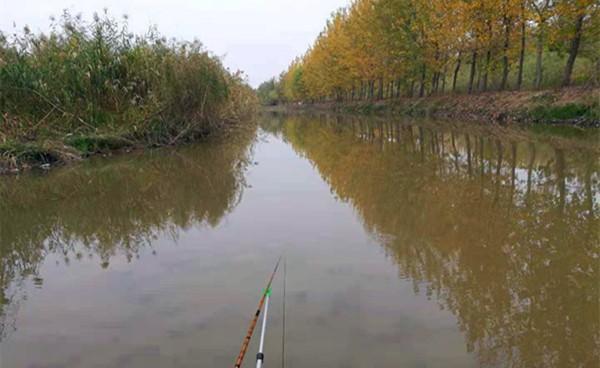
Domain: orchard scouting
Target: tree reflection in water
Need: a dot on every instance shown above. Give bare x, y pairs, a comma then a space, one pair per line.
500, 229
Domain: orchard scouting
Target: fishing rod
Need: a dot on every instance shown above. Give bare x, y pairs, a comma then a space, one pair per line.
260, 356
264, 299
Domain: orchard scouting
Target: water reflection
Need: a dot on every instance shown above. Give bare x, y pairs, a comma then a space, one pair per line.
498, 228
107, 208
493, 225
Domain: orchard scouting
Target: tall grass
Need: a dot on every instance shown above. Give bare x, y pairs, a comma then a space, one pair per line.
97, 79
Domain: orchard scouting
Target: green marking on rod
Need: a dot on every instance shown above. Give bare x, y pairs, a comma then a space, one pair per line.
268, 292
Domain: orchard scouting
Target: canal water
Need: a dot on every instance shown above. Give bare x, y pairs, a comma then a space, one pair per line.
406, 243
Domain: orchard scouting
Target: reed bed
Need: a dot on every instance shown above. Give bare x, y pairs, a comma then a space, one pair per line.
92, 86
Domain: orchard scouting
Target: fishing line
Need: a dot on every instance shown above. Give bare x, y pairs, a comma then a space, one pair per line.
283, 301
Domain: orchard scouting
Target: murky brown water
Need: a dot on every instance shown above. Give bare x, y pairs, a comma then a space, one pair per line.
407, 245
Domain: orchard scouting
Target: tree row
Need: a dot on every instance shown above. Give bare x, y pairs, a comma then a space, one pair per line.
375, 49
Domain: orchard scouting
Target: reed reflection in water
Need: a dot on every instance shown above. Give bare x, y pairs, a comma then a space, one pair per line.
113, 208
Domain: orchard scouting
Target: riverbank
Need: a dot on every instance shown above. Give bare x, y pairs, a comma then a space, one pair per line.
574, 106
17, 157
89, 88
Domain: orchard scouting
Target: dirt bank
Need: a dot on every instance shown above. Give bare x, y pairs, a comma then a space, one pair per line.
579, 106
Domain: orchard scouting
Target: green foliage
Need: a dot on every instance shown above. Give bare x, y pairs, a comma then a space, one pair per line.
564, 112
97, 143
268, 94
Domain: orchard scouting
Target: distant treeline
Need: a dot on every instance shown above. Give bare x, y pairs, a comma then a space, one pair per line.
377, 49
94, 85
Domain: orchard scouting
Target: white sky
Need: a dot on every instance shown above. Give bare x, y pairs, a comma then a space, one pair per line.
260, 37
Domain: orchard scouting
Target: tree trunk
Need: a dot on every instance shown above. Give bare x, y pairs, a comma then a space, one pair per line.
444, 81
505, 56
522, 51
472, 73
573, 49
422, 87
360, 90
456, 70
380, 89
488, 55
389, 88
538, 60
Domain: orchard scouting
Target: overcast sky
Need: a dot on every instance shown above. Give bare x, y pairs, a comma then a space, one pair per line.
260, 37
